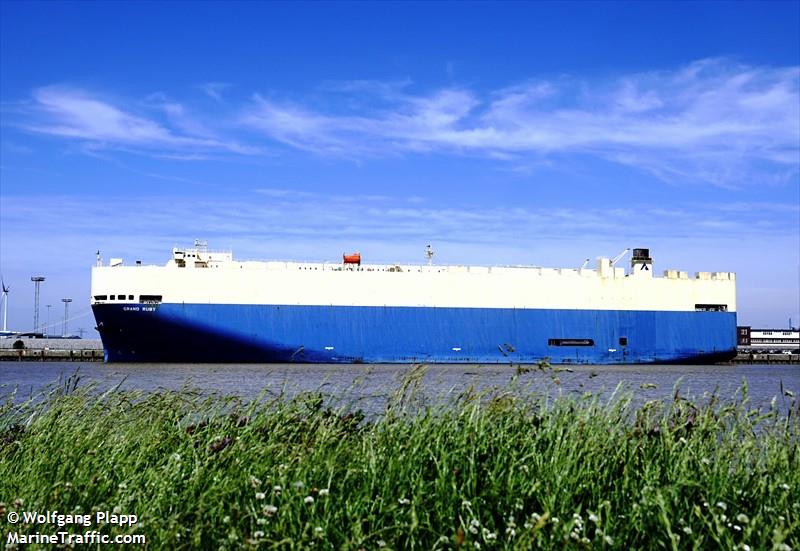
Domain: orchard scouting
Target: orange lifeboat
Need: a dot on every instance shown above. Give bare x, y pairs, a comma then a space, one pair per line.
354, 258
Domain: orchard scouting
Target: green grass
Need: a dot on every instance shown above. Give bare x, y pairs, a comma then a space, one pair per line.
501, 470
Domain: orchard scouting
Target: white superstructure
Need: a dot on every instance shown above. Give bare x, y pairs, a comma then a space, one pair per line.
196, 275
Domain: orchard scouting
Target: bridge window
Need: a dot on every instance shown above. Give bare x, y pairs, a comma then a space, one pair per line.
101, 297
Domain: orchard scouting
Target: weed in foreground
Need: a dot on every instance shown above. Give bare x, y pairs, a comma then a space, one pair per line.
492, 470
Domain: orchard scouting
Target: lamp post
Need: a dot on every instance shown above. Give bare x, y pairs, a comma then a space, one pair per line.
66, 302
37, 280
47, 327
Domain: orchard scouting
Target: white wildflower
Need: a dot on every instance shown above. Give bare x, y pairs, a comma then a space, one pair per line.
323, 492
277, 489
475, 522
608, 539
258, 534
784, 487
721, 505
381, 543
270, 510
308, 500
476, 545
741, 517
298, 484
687, 530
226, 519
744, 547
466, 503
594, 518
404, 501
737, 527
705, 461
260, 495
121, 486
254, 482
261, 521
318, 529
682, 440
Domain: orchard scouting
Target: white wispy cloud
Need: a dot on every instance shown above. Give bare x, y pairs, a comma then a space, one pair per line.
214, 89
714, 120
268, 217
77, 114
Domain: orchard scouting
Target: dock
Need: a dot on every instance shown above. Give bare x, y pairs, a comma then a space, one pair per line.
753, 358
51, 350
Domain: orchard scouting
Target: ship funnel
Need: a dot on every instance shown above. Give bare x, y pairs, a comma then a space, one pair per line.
641, 263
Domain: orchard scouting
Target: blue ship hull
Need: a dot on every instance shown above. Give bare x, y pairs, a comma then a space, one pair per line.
358, 334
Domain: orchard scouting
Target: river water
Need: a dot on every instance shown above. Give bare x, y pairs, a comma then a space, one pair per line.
369, 387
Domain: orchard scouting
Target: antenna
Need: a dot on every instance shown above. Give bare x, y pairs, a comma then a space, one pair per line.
585, 263
619, 256
66, 302
47, 327
37, 280
429, 254
4, 298
99, 258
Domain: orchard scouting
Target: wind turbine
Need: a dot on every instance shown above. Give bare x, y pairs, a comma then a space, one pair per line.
4, 297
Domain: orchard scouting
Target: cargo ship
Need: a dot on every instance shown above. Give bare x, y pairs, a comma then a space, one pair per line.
204, 306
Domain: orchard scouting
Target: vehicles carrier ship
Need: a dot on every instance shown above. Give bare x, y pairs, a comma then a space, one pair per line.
205, 306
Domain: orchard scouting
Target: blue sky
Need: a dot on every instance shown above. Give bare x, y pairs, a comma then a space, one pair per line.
513, 133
